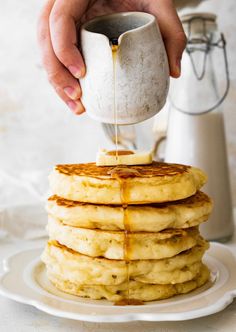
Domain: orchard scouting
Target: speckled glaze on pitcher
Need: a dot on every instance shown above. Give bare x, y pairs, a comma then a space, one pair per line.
142, 71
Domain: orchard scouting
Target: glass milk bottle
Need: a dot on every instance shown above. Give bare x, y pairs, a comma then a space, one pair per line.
196, 134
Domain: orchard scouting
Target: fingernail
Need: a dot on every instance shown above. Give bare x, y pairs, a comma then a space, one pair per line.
72, 105
75, 71
71, 92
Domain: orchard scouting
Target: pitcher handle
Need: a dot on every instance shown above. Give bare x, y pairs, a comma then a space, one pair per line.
156, 146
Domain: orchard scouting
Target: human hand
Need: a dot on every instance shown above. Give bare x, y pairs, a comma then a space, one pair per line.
57, 35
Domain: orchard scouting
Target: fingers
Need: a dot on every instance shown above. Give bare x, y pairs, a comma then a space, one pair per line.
63, 19
66, 86
171, 30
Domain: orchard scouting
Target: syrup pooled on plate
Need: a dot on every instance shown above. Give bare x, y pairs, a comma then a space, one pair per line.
129, 302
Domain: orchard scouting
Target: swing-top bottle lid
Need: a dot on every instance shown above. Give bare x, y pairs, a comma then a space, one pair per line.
203, 60
199, 23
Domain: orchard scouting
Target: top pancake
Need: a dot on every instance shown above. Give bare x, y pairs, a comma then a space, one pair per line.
151, 170
138, 184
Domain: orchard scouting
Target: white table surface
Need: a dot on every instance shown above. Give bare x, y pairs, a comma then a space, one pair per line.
24, 318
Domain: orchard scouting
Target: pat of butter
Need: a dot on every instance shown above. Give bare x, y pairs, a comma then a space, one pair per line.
123, 157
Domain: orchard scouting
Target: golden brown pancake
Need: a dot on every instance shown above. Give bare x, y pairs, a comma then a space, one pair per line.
115, 245
154, 183
137, 290
184, 213
151, 170
101, 271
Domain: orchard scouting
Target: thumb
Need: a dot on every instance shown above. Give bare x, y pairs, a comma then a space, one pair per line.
172, 32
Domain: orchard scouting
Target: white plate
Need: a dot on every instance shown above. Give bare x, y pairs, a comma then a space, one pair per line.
24, 280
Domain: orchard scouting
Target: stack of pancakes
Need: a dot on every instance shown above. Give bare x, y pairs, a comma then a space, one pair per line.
126, 234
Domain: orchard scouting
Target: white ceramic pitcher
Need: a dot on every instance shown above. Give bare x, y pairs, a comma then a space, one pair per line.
142, 71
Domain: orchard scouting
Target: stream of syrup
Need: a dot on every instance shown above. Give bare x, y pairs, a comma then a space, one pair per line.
121, 174
114, 49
